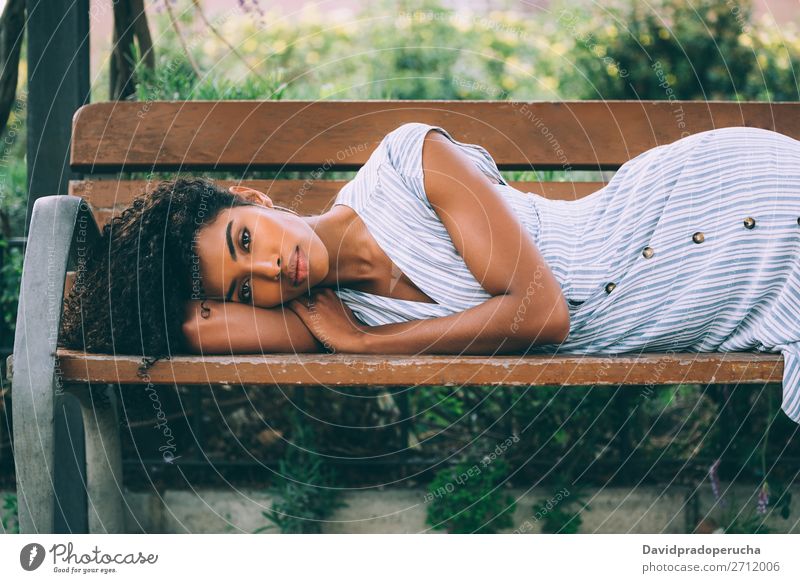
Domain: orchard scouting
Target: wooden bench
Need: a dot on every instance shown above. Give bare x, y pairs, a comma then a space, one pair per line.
110, 139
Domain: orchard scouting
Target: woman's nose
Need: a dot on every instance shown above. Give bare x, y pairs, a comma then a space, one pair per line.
269, 267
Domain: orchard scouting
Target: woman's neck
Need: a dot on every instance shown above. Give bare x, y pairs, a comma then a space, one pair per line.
351, 253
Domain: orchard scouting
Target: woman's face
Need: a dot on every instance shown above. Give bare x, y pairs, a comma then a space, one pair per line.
259, 255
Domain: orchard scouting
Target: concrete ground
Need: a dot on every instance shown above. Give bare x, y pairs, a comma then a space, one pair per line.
613, 510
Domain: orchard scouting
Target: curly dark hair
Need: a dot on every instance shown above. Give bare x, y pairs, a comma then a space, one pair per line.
131, 290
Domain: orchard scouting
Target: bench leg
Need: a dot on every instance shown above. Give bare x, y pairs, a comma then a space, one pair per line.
103, 459
33, 408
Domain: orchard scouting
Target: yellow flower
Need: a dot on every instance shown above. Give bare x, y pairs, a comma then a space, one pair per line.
645, 39
209, 48
250, 45
599, 51
510, 38
461, 23
763, 61
279, 46
549, 83
558, 48
327, 90
745, 40
513, 62
310, 13
348, 26
231, 27
312, 57
611, 31
663, 34
612, 70
247, 27
508, 82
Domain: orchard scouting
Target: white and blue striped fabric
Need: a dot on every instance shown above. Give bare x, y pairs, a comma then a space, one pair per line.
699, 238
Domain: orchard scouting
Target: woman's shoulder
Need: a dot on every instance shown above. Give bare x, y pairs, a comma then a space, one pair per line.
403, 150
403, 147
397, 163
399, 153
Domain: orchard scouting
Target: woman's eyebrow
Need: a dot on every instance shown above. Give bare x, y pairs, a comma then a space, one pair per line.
232, 250
231, 247
230, 291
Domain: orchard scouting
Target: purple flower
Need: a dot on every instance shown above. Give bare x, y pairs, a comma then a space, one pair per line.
248, 5
763, 499
160, 6
712, 475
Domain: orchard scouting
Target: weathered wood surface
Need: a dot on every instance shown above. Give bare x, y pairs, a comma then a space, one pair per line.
362, 370
246, 135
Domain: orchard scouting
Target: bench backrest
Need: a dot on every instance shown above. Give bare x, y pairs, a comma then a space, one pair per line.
112, 139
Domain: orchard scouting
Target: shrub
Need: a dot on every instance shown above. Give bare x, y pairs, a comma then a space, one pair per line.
469, 498
305, 490
677, 49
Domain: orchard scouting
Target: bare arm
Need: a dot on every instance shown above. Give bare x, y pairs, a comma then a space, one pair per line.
236, 328
527, 306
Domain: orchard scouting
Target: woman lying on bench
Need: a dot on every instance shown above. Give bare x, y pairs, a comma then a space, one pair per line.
692, 246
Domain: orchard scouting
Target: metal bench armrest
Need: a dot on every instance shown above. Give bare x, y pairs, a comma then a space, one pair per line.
60, 227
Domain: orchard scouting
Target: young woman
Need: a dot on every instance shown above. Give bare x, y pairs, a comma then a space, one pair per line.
692, 246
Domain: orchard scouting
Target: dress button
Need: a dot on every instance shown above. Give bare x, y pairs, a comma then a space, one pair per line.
610, 287
647, 252
698, 237
749, 223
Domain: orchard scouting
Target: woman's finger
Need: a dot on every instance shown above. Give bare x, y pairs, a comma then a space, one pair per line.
301, 300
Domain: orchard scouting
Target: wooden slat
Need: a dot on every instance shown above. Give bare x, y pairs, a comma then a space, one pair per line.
363, 370
306, 197
300, 134
69, 281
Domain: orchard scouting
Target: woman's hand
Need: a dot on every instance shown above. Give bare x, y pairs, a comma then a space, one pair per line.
330, 321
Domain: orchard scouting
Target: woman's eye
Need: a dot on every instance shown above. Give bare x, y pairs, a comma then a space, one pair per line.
245, 292
245, 239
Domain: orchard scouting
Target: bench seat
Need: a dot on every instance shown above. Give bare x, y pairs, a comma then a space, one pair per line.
427, 370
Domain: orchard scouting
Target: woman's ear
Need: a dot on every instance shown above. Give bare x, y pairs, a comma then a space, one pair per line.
251, 195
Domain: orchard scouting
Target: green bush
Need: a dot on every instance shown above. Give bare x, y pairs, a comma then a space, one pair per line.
10, 278
305, 488
561, 514
174, 79
9, 519
469, 498
678, 49
13, 206
667, 49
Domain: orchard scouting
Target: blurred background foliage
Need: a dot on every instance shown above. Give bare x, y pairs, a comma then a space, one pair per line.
666, 49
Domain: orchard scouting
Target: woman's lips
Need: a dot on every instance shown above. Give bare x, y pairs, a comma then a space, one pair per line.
299, 266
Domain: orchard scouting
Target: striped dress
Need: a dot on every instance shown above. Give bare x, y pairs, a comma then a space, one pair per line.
692, 246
